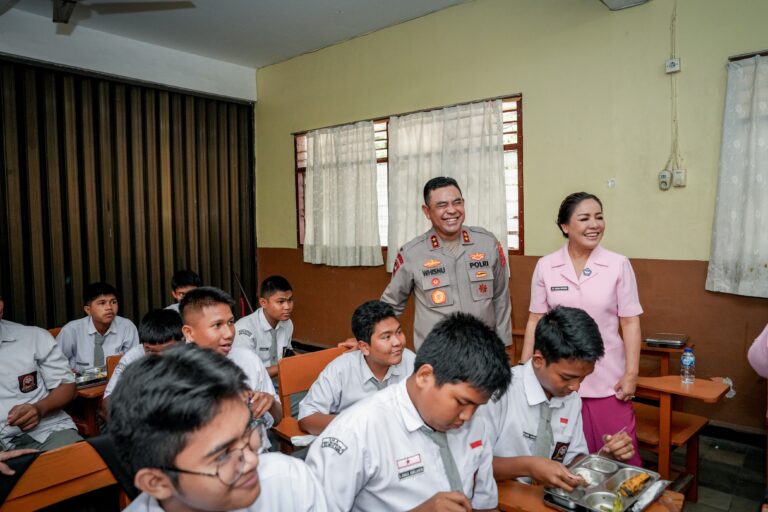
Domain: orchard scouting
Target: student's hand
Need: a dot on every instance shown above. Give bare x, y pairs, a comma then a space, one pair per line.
619, 446
260, 403
4, 469
349, 344
445, 502
551, 473
24, 416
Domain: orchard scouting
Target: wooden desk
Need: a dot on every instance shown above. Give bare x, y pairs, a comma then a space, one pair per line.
662, 353
84, 409
518, 497
664, 388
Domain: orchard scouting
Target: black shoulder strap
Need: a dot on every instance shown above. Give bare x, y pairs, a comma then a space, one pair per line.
105, 447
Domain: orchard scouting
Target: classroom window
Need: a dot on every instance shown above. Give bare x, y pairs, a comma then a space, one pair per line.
513, 175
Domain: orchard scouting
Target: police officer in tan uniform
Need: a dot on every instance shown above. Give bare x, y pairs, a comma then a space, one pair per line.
451, 268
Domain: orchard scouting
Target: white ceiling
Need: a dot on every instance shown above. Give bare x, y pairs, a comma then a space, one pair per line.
252, 33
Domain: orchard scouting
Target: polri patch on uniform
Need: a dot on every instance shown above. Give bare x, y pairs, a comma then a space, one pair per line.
559, 452
245, 332
439, 297
558, 288
410, 472
477, 256
481, 274
28, 382
432, 263
483, 288
435, 242
334, 444
465, 236
435, 281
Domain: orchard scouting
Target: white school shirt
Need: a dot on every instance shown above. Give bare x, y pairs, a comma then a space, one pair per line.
76, 340
253, 331
31, 364
287, 485
373, 457
514, 420
174, 306
347, 380
132, 355
258, 380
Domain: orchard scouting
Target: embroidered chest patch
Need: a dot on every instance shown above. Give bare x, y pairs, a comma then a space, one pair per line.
334, 444
28, 382
439, 297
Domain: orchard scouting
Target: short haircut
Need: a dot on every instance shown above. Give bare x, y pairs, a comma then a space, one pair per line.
272, 285
183, 278
367, 315
569, 204
436, 183
203, 297
568, 333
98, 289
160, 326
159, 401
461, 348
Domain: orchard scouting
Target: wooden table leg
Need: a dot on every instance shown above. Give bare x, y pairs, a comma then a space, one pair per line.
664, 363
665, 438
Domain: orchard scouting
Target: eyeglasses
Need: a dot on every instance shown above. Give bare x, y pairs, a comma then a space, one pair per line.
230, 465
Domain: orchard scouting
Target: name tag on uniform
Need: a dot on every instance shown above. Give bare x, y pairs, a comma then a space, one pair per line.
526, 435
558, 288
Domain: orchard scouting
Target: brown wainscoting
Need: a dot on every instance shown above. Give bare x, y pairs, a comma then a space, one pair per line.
672, 293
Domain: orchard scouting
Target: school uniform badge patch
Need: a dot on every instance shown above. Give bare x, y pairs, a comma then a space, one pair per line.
559, 452
28, 382
334, 444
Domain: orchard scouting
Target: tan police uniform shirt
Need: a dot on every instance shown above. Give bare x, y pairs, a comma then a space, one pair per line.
474, 281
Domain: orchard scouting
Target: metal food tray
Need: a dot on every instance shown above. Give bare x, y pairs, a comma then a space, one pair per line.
89, 379
606, 476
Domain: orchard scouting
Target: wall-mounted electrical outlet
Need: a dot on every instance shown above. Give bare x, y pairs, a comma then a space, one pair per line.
665, 180
678, 178
672, 65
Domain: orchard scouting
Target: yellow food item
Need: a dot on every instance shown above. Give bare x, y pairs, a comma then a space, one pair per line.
634, 485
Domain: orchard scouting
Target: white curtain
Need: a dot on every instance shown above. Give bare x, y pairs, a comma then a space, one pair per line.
463, 142
739, 260
340, 197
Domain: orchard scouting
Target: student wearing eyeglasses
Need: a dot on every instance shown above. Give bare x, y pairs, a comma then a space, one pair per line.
182, 424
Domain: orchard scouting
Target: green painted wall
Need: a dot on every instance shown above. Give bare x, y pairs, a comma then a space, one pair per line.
596, 105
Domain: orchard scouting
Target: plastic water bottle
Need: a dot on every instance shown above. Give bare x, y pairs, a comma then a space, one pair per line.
688, 366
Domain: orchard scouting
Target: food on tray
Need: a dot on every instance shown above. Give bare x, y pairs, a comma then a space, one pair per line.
586, 476
633, 486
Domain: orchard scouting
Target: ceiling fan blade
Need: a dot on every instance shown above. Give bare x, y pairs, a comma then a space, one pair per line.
62, 10
105, 8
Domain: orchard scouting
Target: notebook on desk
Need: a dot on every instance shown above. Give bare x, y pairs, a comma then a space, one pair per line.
667, 340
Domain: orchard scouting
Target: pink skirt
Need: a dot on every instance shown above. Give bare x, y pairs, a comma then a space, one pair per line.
606, 416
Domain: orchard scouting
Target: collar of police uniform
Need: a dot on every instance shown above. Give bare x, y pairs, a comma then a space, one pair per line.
437, 242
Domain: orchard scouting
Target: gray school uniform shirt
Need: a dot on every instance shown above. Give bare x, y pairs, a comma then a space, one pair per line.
76, 340
31, 364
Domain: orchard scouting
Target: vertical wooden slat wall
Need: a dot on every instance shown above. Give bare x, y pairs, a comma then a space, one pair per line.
103, 180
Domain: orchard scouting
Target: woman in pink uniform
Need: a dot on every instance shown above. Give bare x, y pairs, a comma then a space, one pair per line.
582, 274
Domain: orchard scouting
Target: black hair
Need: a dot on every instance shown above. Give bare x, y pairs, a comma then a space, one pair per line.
98, 289
272, 285
568, 333
461, 348
203, 297
160, 326
367, 315
436, 183
159, 401
183, 278
569, 204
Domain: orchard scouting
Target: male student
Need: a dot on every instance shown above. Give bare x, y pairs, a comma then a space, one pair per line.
206, 313
413, 445
536, 427
87, 341
159, 330
182, 425
183, 282
36, 384
268, 330
381, 360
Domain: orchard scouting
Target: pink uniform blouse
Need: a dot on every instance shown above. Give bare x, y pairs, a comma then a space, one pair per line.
607, 290
758, 354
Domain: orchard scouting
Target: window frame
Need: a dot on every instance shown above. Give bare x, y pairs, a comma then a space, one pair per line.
300, 172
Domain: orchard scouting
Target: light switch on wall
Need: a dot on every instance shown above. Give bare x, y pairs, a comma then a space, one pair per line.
678, 178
